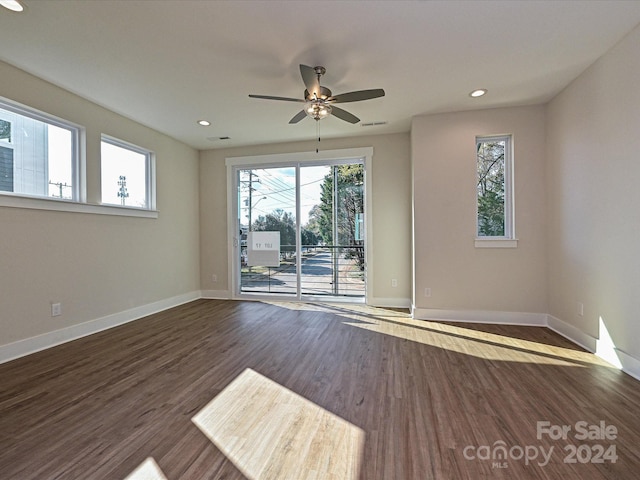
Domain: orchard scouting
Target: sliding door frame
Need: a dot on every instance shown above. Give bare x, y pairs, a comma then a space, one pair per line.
362, 155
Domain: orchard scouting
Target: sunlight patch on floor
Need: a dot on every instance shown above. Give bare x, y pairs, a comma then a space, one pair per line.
468, 342
342, 308
452, 337
269, 432
147, 470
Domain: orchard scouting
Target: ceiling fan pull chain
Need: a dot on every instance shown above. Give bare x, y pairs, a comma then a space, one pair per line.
318, 133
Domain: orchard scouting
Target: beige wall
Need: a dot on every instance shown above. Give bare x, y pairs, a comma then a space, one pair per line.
593, 166
391, 210
460, 276
95, 265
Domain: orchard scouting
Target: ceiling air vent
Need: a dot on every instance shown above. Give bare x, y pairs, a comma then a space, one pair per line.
217, 139
372, 124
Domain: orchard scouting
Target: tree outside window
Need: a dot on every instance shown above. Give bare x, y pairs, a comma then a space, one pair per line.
493, 188
5, 130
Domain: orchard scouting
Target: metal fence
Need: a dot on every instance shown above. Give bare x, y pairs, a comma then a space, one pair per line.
325, 271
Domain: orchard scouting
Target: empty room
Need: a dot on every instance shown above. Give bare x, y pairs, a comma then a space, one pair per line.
291, 240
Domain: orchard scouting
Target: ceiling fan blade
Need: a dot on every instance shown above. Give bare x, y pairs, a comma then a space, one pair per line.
270, 97
357, 96
298, 116
310, 79
344, 115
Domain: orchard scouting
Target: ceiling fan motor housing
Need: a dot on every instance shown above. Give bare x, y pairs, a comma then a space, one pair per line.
325, 94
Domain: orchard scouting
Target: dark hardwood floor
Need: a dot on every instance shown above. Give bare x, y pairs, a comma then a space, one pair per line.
391, 398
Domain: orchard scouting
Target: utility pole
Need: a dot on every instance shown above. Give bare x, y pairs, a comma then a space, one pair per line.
60, 186
122, 191
249, 184
250, 196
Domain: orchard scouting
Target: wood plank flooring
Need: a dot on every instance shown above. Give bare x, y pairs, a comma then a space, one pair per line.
196, 392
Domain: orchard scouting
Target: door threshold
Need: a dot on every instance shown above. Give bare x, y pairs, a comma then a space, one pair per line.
304, 299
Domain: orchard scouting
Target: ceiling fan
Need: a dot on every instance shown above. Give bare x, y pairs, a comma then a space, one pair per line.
319, 101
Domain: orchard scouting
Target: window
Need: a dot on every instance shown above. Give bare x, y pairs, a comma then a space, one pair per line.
5, 130
127, 175
38, 154
494, 188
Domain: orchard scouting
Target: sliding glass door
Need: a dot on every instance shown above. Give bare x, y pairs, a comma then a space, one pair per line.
267, 223
301, 230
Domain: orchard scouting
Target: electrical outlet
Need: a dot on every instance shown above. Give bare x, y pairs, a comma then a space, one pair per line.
394, 282
214, 278
427, 292
56, 309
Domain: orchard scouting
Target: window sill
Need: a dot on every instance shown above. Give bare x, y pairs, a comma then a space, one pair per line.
15, 201
496, 243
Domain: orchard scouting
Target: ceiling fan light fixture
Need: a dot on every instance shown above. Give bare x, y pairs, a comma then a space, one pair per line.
317, 110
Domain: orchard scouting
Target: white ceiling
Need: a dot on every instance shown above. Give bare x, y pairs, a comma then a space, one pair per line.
168, 63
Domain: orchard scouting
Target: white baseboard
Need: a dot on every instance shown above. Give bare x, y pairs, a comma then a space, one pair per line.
630, 364
389, 302
30, 345
572, 333
481, 316
216, 294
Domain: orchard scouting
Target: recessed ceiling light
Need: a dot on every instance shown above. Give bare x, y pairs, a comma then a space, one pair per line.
204, 123
12, 5
478, 93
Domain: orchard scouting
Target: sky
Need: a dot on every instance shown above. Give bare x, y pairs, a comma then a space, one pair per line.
119, 162
274, 188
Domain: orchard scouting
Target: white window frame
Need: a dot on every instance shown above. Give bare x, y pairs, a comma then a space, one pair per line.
78, 191
150, 172
78, 203
508, 240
